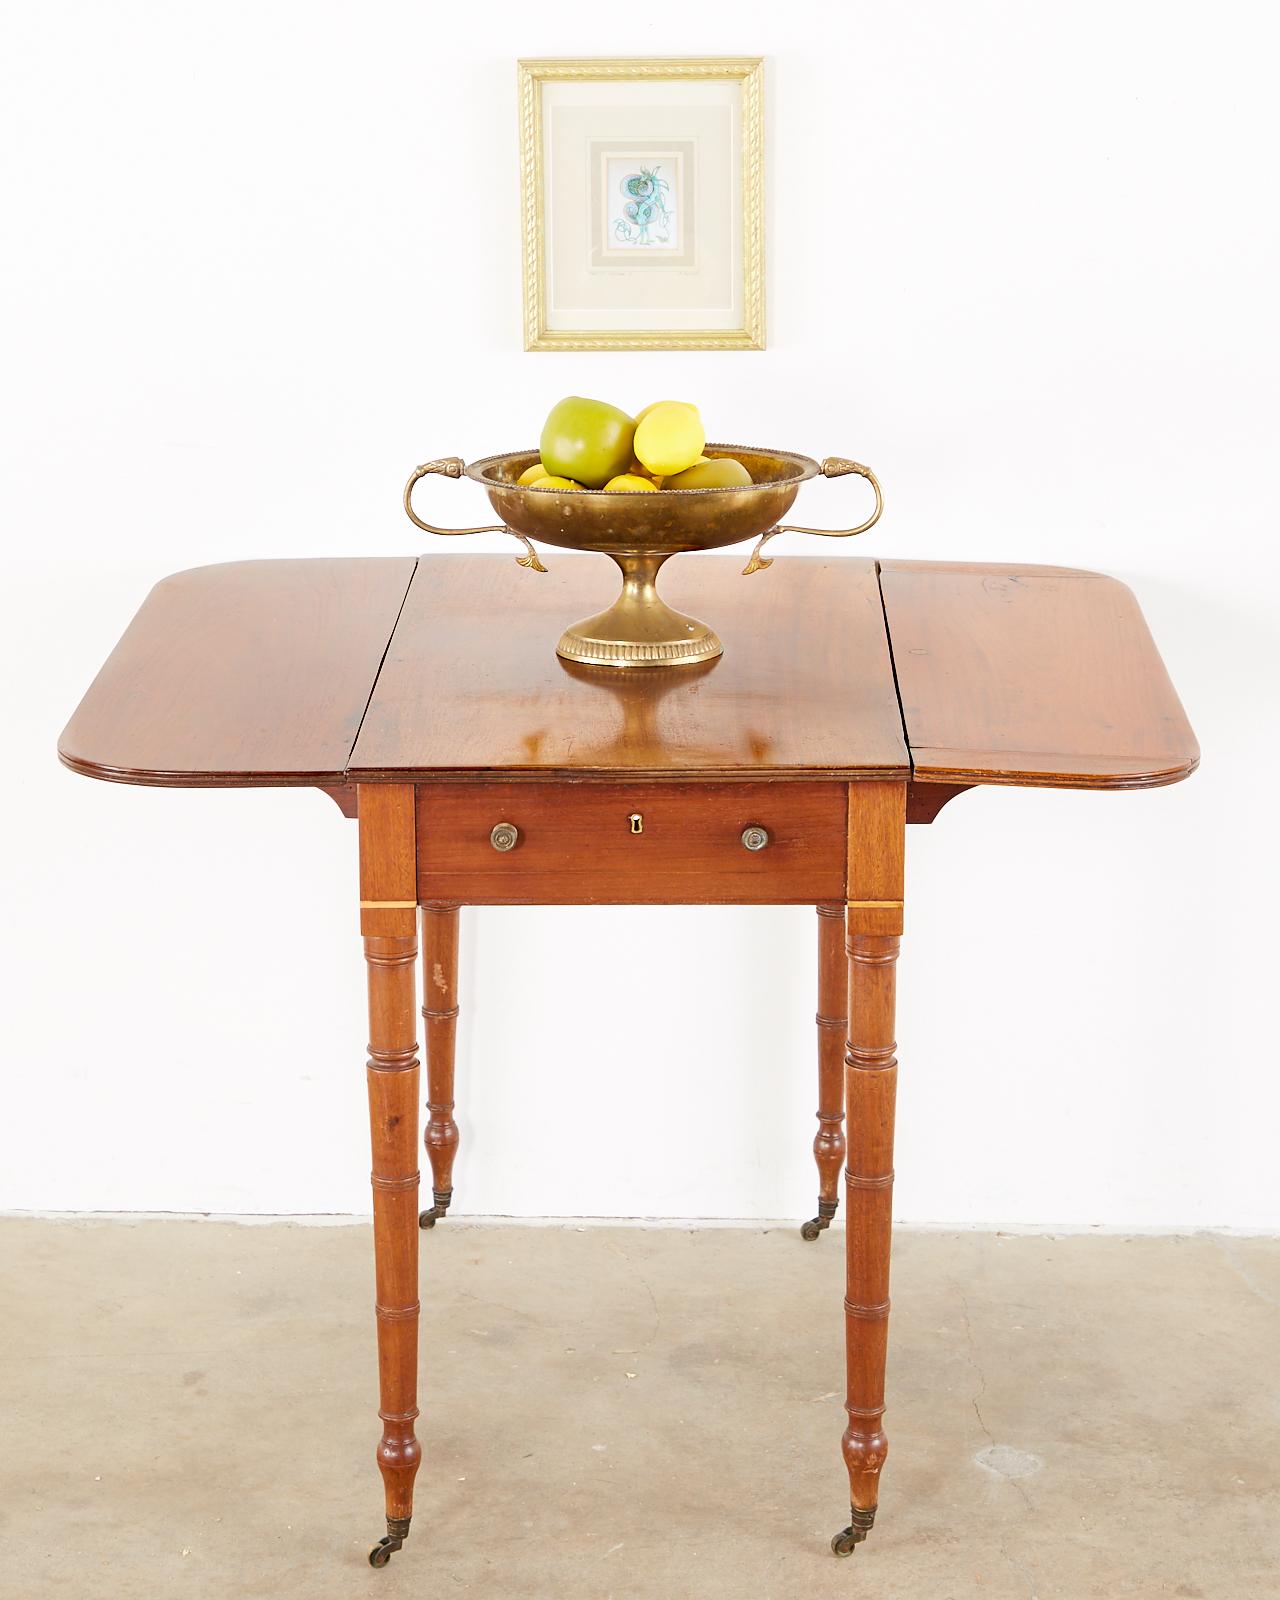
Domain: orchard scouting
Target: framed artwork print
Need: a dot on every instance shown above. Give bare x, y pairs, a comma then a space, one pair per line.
643, 204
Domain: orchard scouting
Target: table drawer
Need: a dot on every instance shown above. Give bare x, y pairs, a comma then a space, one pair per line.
577, 844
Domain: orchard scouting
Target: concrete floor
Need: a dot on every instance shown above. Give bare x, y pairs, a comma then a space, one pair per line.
188, 1408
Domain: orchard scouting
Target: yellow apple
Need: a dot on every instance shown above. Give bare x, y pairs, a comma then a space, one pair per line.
641, 415
721, 473
670, 438
629, 483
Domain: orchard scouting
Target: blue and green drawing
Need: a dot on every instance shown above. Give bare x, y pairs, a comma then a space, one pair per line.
647, 215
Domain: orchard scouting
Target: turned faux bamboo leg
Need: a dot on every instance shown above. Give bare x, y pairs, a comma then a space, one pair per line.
388, 921
440, 1014
876, 834
828, 1143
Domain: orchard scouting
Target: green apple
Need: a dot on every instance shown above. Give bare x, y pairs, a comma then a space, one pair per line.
587, 440
721, 472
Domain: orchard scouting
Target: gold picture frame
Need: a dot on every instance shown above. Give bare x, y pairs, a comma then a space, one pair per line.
747, 243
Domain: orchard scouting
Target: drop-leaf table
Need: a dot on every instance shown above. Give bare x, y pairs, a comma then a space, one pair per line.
425, 696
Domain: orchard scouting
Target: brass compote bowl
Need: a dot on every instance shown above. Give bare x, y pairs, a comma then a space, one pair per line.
640, 531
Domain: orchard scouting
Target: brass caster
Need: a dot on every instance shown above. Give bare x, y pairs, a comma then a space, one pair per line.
393, 1540
442, 1197
816, 1225
848, 1539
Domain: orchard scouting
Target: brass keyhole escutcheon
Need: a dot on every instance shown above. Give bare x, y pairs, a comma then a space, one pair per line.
637, 822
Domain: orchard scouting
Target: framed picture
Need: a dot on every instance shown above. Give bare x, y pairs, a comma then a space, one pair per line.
643, 204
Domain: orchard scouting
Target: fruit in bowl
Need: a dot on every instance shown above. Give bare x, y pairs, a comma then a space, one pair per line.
630, 483
670, 438
587, 441
592, 446
722, 473
639, 490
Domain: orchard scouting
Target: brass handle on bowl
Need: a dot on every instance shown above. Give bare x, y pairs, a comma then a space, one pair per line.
451, 467
832, 467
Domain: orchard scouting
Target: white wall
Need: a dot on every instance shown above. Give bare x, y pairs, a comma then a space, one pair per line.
260, 259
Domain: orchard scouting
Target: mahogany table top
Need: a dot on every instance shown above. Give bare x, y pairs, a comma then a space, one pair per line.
333, 671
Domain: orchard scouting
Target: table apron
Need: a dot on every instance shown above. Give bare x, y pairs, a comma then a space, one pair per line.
632, 843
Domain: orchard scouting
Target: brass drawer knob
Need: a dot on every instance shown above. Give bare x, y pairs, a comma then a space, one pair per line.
754, 837
504, 836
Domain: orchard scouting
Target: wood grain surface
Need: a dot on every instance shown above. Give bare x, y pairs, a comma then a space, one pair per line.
576, 845
1038, 676
254, 672
388, 922
263, 673
877, 823
472, 683
440, 1022
833, 1025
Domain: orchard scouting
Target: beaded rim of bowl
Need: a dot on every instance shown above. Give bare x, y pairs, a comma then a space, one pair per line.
806, 467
